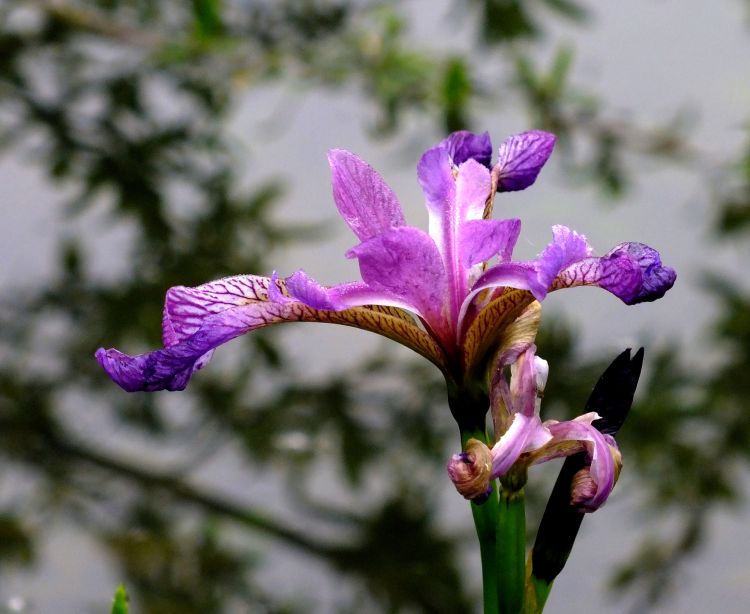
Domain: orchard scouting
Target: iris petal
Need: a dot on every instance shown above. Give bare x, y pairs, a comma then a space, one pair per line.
200, 319
631, 271
521, 158
363, 198
405, 263
573, 436
464, 145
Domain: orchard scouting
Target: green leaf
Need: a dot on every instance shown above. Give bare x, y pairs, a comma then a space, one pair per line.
207, 16
120, 601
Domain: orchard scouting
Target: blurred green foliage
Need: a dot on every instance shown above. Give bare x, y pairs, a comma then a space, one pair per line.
121, 101
120, 601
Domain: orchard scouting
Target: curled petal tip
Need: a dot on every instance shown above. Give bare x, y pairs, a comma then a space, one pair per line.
583, 490
656, 279
586, 494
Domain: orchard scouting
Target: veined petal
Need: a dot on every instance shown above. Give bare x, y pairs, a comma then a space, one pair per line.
493, 327
197, 320
567, 246
363, 198
185, 309
631, 271
405, 263
565, 261
520, 158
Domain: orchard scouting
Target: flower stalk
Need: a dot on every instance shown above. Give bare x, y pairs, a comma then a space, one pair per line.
511, 548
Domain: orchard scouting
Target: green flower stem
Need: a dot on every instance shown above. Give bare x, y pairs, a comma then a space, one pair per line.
511, 549
485, 522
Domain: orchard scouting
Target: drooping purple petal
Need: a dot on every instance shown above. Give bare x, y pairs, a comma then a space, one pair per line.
363, 198
525, 434
520, 158
464, 145
536, 275
656, 279
566, 247
186, 309
172, 367
631, 271
197, 320
405, 263
598, 447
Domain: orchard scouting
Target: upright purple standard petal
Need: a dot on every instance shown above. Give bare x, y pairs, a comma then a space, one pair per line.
435, 174
464, 145
363, 198
520, 158
454, 196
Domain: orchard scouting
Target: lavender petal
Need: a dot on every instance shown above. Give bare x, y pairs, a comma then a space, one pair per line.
464, 145
405, 263
363, 198
656, 279
521, 158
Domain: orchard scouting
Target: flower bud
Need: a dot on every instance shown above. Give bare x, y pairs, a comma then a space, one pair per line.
470, 471
584, 491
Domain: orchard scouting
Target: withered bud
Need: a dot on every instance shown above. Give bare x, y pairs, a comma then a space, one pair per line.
582, 490
470, 471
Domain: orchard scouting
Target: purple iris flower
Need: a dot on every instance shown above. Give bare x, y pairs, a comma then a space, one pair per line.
522, 439
453, 294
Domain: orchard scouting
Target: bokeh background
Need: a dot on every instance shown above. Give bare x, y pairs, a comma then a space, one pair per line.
150, 144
